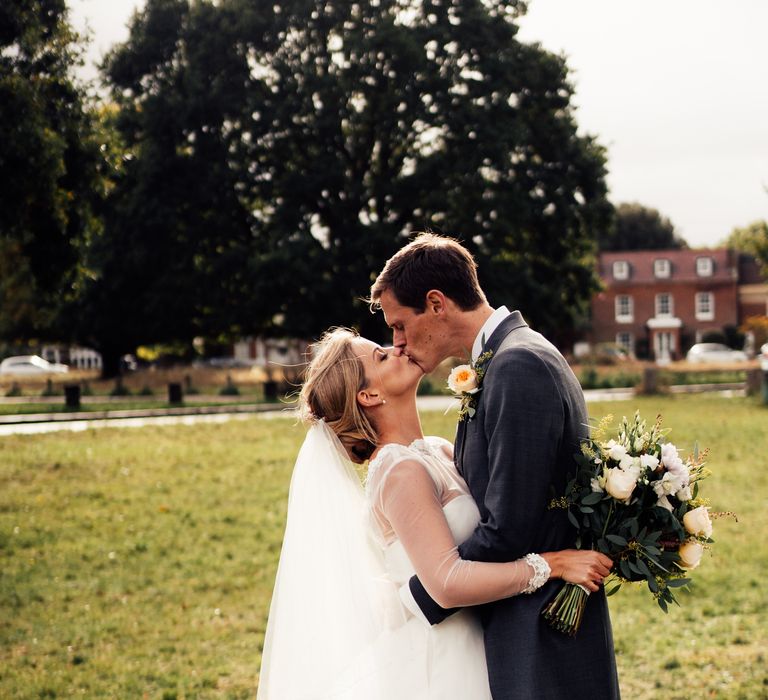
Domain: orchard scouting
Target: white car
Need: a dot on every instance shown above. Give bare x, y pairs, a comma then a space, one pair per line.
763, 356
714, 352
30, 364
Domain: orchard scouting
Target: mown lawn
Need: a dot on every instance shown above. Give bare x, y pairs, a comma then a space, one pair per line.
139, 563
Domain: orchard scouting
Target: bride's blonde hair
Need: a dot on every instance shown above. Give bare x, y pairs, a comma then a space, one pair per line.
333, 378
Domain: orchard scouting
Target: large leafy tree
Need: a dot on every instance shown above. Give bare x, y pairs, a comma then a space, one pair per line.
372, 119
753, 240
171, 261
49, 161
638, 227
278, 153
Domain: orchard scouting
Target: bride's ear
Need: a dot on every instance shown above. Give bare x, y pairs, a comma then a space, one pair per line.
368, 398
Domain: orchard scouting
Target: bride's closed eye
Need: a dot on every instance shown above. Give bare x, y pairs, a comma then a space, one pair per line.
381, 354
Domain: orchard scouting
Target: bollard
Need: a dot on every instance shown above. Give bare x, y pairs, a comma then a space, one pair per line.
754, 382
270, 390
650, 380
72, 396
174, 393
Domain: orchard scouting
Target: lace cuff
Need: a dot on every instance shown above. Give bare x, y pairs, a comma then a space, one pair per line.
541, 572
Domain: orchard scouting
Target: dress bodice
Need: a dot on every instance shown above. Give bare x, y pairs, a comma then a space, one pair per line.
460, 510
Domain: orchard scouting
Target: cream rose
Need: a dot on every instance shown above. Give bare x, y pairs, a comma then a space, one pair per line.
690, 554
463, 380
697, 522
620, 484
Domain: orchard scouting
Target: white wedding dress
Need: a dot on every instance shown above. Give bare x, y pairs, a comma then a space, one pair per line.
337, 628
448, 659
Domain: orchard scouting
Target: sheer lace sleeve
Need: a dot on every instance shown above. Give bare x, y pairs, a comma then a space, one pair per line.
410, 501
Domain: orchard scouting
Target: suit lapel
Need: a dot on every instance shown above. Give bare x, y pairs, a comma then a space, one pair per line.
509, 324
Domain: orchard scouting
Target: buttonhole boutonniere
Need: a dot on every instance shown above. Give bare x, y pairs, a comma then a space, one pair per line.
466, 382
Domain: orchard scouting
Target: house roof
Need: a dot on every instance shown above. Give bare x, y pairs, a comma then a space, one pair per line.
682, 265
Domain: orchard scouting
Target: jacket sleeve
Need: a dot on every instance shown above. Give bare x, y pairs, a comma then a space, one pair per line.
523, 424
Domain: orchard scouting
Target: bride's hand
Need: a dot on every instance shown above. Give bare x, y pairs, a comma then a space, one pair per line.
583, 567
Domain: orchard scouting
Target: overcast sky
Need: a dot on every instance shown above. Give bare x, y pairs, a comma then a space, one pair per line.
677, 90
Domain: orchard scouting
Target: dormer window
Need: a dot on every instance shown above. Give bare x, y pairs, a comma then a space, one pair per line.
661, 267
704, 267
621, 270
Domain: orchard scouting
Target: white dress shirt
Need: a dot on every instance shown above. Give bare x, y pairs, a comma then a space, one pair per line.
490, 325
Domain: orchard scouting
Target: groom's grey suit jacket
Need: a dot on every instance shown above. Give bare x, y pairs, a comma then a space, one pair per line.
516, 453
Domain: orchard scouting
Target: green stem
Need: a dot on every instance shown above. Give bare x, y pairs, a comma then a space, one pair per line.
608, 519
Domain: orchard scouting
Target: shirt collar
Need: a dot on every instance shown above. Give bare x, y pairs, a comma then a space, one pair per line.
490, 325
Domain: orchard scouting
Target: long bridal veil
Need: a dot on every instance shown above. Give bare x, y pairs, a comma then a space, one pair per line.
333, 611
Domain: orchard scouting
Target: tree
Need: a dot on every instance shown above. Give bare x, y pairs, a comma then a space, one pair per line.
170, 262
49, 164
751, 239
280, 152
372, 119
640, 228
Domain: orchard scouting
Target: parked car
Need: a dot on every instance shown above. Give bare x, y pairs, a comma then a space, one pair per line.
29, 365
714, 352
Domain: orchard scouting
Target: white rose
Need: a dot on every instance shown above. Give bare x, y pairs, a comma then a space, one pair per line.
649, 461
616, 451
684, 494
639, 443
690, 554
697, 522
620, 484
462, 379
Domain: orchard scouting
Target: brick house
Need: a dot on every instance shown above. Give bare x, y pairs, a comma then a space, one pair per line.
657, 303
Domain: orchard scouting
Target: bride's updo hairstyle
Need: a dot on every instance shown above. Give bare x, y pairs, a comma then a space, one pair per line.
333, 378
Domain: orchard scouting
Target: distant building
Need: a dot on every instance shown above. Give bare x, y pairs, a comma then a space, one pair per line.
286, 355
657, 303
74, 356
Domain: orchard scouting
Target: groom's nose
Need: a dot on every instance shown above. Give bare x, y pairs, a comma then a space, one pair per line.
398, 339
397, 351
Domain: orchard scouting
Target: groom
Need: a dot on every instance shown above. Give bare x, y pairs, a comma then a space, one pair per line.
515, 453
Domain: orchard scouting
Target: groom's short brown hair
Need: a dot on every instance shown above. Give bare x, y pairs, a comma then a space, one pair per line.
430, 262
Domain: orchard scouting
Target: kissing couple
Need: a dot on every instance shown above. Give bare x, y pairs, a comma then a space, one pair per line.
427, 581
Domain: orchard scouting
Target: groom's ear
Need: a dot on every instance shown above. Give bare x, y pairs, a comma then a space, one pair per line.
435, 302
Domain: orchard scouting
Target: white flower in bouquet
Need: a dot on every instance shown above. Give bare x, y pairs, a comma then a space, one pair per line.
598, 484
668, 485
684, 494
697, 522
463, 380
673, 463
690, 554
616, 451
649, 461
664, 503
620, 483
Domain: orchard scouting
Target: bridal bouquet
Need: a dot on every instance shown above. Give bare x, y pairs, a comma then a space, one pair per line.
636, 500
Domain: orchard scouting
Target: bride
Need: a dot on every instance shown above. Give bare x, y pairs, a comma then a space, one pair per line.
337, 629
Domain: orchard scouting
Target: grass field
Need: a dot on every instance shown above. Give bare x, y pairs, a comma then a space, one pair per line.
139, 563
